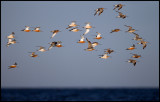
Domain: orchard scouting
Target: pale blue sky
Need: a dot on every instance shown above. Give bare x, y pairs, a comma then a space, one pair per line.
71, 66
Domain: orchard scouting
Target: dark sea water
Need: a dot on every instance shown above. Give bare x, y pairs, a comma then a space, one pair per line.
80, 94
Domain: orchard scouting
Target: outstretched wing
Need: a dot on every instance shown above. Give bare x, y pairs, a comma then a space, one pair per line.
96, 12
87, 30
89, 44
101, 11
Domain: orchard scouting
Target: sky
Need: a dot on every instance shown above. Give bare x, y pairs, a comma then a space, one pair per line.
71, 66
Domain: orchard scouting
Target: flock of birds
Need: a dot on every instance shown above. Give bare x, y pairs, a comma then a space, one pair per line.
91, 45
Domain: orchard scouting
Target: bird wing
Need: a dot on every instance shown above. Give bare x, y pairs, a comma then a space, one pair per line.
144, 46
101, 11
96, 12
89, 44
98, 33
53, 35
87, 30
120, 6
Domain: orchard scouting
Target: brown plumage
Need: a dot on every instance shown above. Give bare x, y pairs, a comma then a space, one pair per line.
132, 61
54, 33
121, 15
131, 48
144, 43
109, 51
137, 38
33, 54
90, 46
115, 30
136, 56
100, 10
73, 24
11, 36
119, 6
104, 56
130, 30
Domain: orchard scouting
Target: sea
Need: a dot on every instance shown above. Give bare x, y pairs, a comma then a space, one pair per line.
66, 94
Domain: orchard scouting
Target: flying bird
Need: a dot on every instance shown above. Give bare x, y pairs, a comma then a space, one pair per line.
104, 56
130, 30
81, 40
132, 61
115, 30
10, 41
13, 66
11, 36
26, 29
136, 56
87, 26
37, 29
33, 54
131, 48
91, 45
100, 10
119, 6
137, 38
73, 24
98, 36
109, 51
144, 43
75, 29
121, 15
41, 49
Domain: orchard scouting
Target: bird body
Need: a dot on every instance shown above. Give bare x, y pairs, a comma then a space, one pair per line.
37, 29
136, 56
73, 24
132, 61
121, 15
13, 66
104, 56
131, 48
10, 41
59, 44
144, 43
81, 40
98, 36
109, 51
11, 36
75, 30
90, 46
130, 30
41, 49
115, 30
87, 26
119, 6
100, 10
26, 29
33, 54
